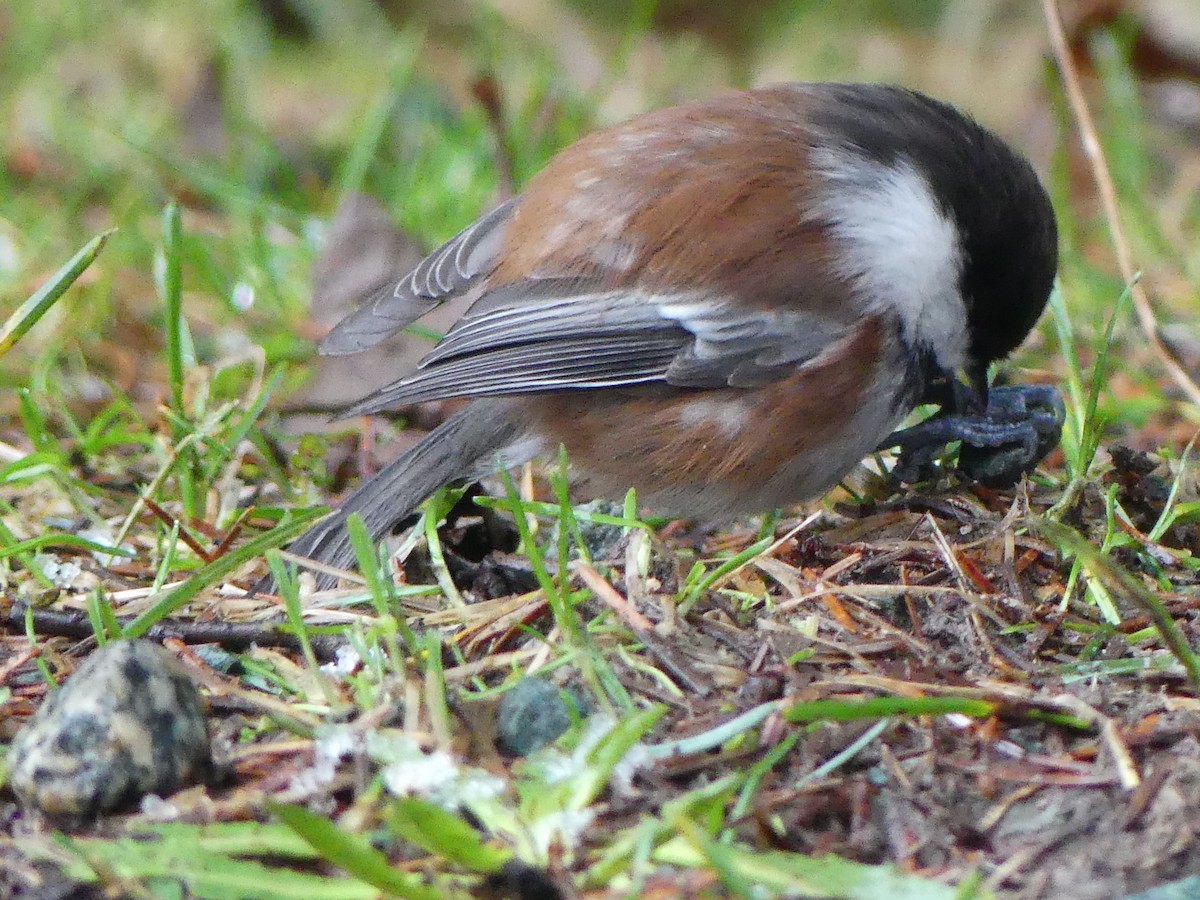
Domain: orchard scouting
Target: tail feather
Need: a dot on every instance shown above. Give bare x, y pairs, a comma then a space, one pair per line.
454, 450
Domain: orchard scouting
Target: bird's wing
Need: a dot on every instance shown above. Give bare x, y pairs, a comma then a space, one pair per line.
566, 334
627, 261
450, 271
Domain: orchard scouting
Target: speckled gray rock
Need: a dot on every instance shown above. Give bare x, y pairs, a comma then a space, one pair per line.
129, 722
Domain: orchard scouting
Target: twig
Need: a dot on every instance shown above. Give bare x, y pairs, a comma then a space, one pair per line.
618, 604
17, 660
1108, 200
234, 636
642, 628
184, 535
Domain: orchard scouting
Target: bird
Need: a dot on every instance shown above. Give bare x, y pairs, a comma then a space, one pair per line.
727, 305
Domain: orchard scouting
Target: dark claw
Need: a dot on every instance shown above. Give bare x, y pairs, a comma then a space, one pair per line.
1022, 423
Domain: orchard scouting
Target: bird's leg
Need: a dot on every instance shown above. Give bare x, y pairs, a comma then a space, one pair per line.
1018, 427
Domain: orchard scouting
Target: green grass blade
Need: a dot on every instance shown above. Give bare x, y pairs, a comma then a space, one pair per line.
439, 832
218, 569
1119, 581
173, 303
29, 312
878, 707
353, 853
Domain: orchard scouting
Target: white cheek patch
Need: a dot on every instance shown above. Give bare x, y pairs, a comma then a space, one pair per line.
894, 242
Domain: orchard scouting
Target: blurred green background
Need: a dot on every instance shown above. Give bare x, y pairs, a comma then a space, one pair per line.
264, 116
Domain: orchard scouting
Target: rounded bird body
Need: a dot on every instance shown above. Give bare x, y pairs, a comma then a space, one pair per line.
725, 304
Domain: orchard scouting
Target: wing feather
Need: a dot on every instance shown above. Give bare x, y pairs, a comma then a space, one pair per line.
605, 313
538, 341
561, 364
450, 271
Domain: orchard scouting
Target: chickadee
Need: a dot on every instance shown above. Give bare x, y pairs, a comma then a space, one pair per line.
727, 305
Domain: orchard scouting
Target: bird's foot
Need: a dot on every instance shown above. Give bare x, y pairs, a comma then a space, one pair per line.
1022, 423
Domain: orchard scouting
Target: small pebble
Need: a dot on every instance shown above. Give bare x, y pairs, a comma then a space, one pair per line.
533, 714
128, 723
602, 542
